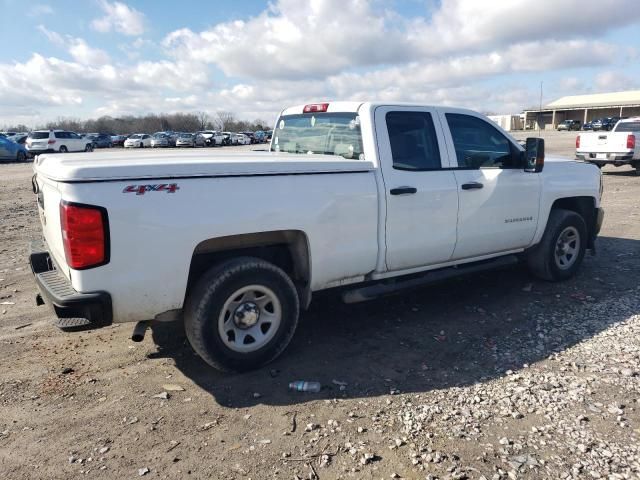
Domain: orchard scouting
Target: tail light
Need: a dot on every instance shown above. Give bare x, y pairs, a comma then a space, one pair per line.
631, 141
51, 141
578, 141
85, 235
315, 107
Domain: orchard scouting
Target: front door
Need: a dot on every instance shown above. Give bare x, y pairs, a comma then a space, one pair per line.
421, 195
499, 201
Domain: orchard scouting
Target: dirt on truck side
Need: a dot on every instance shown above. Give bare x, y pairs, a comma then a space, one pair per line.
491, 376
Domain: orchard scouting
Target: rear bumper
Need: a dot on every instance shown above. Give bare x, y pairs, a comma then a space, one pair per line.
38, 152
73, 310
623, 157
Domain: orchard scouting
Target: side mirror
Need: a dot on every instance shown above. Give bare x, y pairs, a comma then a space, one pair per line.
534, 155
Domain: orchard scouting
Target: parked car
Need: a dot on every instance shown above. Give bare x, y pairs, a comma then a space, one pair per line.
12, 151
20, 138
160, 140
242, 264
242, 139
226, 138
618, 147
101, 140
212, 138
118, 140
609, 122
588, 125
190, 140
260, 136
252, 138
570, 125
46, 141
138, 140
268, 135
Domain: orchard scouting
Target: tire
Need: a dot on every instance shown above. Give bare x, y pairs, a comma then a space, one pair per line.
545, 259
21, 157
63, 149
212, 299
87, 148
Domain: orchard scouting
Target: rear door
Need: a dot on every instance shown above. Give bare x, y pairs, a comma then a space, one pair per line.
499, 201
421, 194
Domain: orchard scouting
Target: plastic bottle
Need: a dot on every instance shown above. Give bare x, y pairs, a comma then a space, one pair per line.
302, 386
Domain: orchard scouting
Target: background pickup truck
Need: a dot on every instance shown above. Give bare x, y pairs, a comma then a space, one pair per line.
618, 147
367, 197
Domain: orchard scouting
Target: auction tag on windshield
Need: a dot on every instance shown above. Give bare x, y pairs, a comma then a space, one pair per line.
313, 121
281, 124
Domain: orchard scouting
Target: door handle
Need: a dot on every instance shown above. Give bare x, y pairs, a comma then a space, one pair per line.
472, 186
403, 190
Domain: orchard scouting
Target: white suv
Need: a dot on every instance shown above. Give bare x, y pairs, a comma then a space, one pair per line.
47, 141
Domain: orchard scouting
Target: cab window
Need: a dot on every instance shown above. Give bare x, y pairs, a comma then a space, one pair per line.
414, 144
479, 144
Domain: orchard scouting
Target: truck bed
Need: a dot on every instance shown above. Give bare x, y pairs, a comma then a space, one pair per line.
137, 164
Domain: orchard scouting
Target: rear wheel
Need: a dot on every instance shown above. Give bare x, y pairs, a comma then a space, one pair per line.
561, 250
241, 314
21, 157
63, 149
88, 147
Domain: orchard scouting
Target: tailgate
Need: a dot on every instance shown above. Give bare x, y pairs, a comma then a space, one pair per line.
49, 198
603, 142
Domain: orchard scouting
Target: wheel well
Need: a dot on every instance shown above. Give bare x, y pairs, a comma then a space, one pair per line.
288, 249
583, 206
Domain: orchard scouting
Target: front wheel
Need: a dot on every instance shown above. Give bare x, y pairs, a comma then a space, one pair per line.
21, 157
241, 314
561, 250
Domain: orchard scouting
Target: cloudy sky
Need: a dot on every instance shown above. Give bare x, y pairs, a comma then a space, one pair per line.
101, 57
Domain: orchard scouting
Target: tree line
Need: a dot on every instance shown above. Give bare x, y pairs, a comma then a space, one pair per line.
150, 123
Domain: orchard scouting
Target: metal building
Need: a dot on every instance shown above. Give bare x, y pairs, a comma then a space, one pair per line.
584, 108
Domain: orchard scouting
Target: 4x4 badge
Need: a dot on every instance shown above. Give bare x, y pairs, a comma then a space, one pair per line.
142, 189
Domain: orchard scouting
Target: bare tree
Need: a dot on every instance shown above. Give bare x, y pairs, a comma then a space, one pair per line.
225, 118
203, 118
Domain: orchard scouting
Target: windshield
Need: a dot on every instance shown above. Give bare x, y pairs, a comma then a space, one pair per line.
135, 137
323, 133
186, 135
628, 127
39, 135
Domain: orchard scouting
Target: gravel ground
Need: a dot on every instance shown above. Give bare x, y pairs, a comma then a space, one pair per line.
495, 376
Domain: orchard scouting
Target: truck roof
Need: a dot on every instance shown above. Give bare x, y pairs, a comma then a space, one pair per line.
339, 106
170, 164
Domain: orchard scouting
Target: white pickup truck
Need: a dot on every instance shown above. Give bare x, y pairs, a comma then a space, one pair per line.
367, 197
620, 146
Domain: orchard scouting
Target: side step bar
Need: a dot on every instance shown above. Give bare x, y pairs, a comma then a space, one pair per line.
376, 290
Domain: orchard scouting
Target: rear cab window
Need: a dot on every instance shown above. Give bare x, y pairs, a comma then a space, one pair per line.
628, 126
331, 133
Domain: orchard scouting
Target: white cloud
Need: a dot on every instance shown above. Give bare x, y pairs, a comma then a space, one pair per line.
120, 18
614, 81
39, 10
295, 39
77, 48
470, 53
